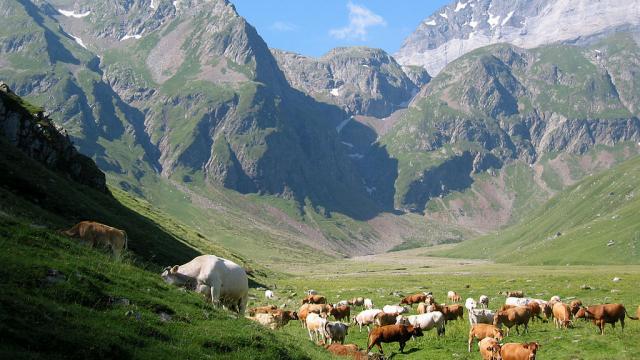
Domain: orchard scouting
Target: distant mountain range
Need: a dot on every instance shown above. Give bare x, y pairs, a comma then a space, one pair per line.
187, 93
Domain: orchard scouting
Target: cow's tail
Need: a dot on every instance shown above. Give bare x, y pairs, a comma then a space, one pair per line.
629, 316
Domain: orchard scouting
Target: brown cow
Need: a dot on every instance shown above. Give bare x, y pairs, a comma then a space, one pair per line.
350, 350
516, 316
452, 312
490, 349
414, 299
536, 310
382, 319
99, 235
605, 314
516, 293
392, 333
561, 315
314, 299
481, 331
638, 312
422, 308
306, 309
574, 306
262, 309
341, 312
357, 301
517, 351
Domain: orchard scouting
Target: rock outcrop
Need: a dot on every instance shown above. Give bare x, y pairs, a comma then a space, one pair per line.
37, 136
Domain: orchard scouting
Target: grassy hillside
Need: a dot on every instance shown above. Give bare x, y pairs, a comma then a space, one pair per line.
595, 221
61, 299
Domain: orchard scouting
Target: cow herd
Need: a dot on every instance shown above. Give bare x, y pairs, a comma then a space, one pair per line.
225, 283
394, 323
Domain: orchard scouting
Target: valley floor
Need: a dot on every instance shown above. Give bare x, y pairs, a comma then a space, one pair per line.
383, 277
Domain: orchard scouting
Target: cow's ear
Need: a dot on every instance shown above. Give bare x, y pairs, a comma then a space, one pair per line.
174, 269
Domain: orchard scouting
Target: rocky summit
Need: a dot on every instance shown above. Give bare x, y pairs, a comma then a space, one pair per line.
465, 25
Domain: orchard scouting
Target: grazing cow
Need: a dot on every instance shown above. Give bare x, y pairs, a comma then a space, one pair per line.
368, 304
382, 318
314, 299
341, 312
275, 320
221, 280
306, 309
513, 317
490, 349
453, 312
311, 292
517, 351
414, 299
453, 296
604, 314
99, 235
422, 308
336, 331
484, 301
315, 327
517, 301
574, 306
357, 301
561, 315
481, 331
350, 350
425, 322
366, 318
392, 333
395, 309
481, 316
262, 310
516, 293
268, 294
536, 310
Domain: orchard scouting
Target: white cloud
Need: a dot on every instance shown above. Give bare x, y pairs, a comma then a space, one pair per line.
360, 19
283, 26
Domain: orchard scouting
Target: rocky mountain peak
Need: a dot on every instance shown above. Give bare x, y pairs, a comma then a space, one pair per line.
465, 25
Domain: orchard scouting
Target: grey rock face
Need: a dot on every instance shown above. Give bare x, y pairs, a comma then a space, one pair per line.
465, 25
39, 139
363, 81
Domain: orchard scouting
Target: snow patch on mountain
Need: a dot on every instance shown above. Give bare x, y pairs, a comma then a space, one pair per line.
430, 22
73, 14
460, 6
79, 41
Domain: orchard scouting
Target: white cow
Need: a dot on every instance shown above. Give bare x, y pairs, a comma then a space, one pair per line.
268, 294
368, 304
311, 292
470, 304
336, 331
426, 321
517, 301
481, 316
315, 326
222, 281
366, 318
395, 309
484, 301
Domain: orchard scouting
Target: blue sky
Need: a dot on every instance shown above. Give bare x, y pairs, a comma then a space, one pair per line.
314, 27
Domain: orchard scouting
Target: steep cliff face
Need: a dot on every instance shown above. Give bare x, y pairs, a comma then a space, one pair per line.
465, 25
503, 104
38, 138
362, 81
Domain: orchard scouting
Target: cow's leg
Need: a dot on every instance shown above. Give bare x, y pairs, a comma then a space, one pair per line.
380, 348
215, 292
310, 334
402, 343
470, 339
622, 323
242, 306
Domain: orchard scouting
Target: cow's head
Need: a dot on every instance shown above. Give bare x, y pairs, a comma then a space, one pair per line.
498, 334
533, 348
497, 318
415, 331
169, 275
494, 349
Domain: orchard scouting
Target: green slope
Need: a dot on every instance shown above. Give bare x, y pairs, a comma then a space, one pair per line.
575, 226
